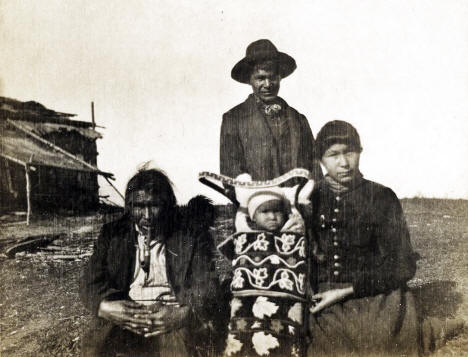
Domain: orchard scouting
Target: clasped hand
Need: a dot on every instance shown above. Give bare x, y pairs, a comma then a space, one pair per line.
143, 320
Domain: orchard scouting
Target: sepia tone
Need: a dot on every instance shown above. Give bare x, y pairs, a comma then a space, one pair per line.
150, 92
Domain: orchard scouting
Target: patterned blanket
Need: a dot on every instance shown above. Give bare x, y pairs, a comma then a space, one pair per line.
269, 286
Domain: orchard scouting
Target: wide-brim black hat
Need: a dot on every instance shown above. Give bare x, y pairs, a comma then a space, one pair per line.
258, 51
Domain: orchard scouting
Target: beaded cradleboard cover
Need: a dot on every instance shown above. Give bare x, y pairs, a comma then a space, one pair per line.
269, 286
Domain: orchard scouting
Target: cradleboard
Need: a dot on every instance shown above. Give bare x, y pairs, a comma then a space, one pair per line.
270, 279
269, 287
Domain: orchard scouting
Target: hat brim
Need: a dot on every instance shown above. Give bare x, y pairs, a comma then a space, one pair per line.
242, 70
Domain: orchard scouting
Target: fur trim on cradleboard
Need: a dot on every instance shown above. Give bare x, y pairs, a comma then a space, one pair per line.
197, 215
271, 273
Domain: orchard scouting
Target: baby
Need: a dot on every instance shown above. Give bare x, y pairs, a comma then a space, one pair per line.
268, 209
275, 206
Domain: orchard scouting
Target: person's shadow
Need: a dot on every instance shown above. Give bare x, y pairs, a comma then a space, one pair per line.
437, 303
437, 299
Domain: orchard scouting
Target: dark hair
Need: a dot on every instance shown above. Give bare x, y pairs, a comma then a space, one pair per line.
152, 181
337, 132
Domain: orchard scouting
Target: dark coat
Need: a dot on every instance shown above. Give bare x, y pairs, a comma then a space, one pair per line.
189, 269
249, 146
362, 238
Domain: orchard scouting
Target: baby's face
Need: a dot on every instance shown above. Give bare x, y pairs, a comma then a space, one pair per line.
270, 215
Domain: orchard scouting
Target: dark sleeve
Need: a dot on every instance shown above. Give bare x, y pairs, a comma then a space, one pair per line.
394, 262
95, 285
232, 160
308, 151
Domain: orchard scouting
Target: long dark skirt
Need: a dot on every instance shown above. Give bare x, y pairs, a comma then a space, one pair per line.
382, 325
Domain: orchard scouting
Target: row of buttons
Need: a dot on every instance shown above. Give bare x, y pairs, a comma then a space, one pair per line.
336, 257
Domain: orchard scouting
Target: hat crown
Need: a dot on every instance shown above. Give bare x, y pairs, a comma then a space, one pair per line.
259, 48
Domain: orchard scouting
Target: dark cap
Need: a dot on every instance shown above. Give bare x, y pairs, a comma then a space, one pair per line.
337, 132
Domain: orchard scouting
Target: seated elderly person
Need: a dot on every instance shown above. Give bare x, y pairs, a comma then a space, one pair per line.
150, 282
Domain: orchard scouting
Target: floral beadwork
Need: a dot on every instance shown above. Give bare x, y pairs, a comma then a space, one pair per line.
237, 280
287, 241
286, 279
239, 243
277, 326
236, 304
288, 245
300, 282
264, 307
233, 345
260, 275
261, 242
284, 282
302, 249
295, 313
263, 343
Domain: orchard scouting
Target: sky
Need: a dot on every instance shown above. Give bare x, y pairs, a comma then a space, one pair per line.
159, 75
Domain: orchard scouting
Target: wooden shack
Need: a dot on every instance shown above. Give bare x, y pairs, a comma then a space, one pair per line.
47, 160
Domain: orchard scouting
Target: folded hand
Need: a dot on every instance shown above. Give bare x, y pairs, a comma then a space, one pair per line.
166, 318
144, 320
127, 314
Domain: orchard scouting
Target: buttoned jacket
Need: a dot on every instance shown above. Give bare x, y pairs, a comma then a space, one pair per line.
362, 238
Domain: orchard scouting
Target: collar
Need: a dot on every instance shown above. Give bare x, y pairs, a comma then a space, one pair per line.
270, 110
338, 187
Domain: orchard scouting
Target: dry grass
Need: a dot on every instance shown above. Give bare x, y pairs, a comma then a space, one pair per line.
41, 315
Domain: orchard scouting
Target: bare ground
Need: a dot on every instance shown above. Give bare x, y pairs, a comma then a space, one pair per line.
41, 315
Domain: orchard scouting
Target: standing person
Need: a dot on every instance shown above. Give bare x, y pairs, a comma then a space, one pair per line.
364, 258
264, 136
150, 282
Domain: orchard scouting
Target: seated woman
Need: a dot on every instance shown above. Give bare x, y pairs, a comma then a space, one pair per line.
363, 256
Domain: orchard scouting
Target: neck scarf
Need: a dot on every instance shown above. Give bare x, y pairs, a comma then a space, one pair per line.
271, 110
338, 187
149, 240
